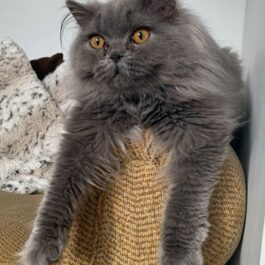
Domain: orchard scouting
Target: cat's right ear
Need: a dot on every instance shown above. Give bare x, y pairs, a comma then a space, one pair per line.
81, 12
167, 9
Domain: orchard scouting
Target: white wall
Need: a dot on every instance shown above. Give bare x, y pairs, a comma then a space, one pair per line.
224, 18
262, 256
254, 61
35, 24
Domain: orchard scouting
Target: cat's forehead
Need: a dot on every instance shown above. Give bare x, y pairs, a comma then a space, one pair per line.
117, 18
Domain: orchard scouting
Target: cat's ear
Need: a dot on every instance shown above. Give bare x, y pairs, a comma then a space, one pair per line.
168, 9
81, 12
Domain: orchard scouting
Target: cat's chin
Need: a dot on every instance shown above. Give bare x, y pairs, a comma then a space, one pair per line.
121, 82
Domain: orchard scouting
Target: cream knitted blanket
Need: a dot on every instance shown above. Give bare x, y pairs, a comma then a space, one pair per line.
31, 112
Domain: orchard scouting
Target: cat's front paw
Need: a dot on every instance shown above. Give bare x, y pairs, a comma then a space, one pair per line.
192, 258
42, 250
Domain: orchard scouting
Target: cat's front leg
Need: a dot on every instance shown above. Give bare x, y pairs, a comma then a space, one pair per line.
193, 173
45, 244
86, 162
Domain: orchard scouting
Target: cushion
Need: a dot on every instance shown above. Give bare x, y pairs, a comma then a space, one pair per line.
31, 112
121, 226
46, 65
29, 124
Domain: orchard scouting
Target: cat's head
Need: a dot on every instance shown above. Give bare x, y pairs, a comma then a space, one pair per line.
123, 42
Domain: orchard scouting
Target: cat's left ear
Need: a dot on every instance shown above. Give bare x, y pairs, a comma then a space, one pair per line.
168, 9
83, 13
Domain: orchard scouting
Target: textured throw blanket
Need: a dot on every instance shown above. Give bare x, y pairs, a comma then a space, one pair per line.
31, 115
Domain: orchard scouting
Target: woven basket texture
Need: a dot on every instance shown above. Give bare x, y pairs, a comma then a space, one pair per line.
122, 226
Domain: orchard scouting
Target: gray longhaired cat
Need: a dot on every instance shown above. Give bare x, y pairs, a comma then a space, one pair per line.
151, 64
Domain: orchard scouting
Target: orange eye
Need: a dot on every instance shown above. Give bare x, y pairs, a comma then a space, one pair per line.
140, 36
97, 42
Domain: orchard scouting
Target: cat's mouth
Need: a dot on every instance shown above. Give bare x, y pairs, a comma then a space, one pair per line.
117, 76
116, 72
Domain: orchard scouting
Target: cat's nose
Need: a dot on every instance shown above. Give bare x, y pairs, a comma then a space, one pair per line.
116, 56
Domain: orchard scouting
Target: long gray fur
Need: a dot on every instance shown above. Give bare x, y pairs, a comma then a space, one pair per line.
180, 84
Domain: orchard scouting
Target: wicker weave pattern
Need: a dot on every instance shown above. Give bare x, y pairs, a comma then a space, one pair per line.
17, 213
227, 213
122, 226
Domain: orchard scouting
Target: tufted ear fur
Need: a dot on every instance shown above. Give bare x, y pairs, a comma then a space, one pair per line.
168, 9
82, 13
